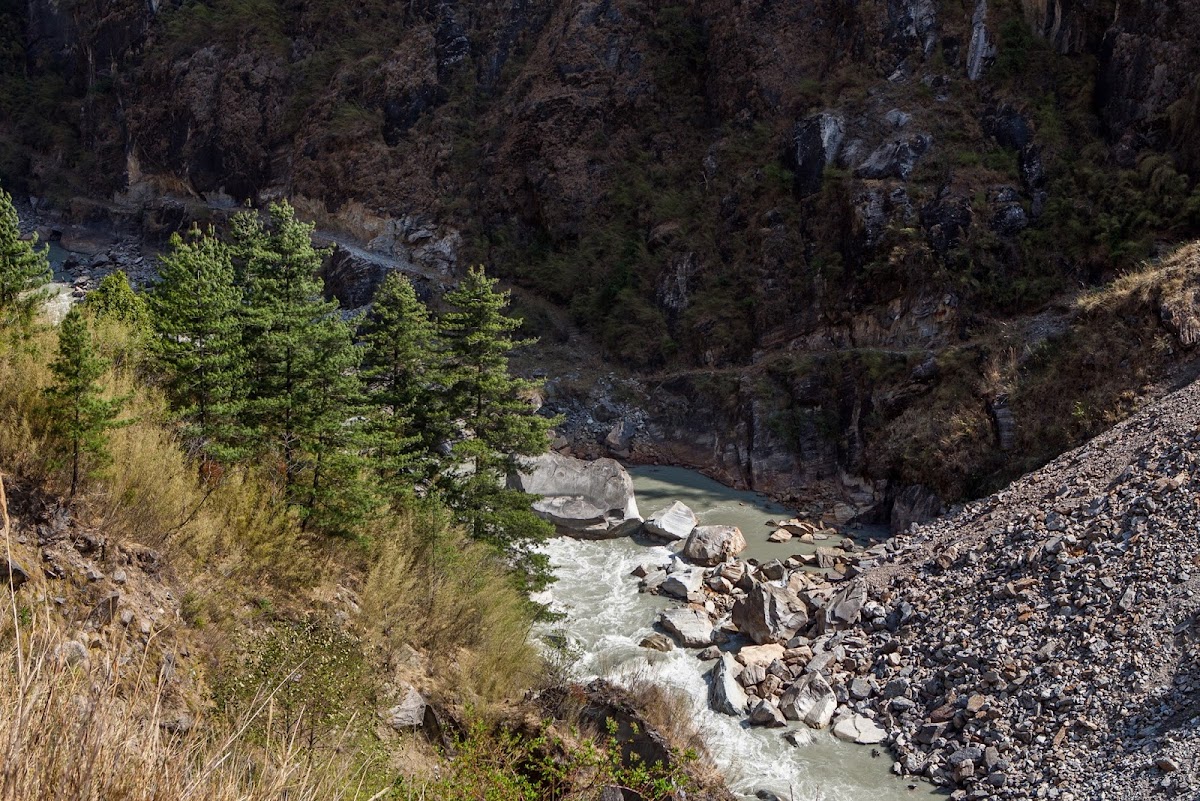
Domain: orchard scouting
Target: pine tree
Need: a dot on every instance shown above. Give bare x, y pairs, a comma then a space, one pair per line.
403, 377
303, 384
23, 269
81, 416
499, 423
337, 498
197, 316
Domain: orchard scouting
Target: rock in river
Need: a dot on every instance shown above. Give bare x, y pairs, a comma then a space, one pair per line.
692, 628
725, 695
711, 545
675, 522
811, 700
858, 729
769, 614
589, 500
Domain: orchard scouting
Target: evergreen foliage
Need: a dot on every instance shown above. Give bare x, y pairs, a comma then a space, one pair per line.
24, 270
115, 298
303, 385
197, 315
404, 377
81, 416
499, 423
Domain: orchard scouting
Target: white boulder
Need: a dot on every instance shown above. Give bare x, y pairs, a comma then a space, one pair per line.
588, 500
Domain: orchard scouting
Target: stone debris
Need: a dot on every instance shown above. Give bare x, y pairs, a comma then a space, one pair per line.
1041, 643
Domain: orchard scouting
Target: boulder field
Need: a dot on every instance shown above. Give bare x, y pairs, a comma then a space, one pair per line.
1042, 642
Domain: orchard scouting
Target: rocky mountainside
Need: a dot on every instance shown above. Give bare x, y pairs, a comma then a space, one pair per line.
796, 218
1041, 643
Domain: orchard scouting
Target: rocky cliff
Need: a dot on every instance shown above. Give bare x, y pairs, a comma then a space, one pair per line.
791, 216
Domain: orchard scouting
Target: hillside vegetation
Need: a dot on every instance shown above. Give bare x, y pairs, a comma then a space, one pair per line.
178, 625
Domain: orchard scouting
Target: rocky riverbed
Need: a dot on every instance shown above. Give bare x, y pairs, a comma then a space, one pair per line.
1040, 643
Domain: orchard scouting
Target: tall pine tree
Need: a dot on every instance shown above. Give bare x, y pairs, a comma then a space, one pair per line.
499, 424
24, 270
402, 371
81, 416
197, 316
303, 382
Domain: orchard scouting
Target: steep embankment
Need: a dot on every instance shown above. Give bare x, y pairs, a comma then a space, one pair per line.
1041, 642
1048, 633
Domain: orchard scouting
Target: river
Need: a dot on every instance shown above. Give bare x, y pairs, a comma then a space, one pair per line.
606, 618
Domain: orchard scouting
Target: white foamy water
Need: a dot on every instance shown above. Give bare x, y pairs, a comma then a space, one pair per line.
606, 618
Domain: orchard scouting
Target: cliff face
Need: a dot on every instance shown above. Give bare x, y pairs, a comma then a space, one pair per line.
815, 198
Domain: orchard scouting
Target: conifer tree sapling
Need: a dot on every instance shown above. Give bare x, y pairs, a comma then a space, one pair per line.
24, 270
197, 316
81, 416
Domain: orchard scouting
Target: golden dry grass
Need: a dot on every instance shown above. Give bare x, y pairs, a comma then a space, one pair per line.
80, 725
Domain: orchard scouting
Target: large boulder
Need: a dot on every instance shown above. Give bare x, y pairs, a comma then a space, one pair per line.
725, 695
589, 500
682, 583
711, 545
810, 700
844, 608
770, 614
692, 628
675, 522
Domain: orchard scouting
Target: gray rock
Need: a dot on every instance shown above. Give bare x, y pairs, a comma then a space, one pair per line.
590, 500
769, 614
674, 522
895, 159
810, 700
765, 713
180, 723
858, 729
71, 652
844, 608
773, 570
816, 143
725, 695
682, 583
409, 713
657, 642
620, 436
15, 574
711, 545
982, 49
103, 612
692, 628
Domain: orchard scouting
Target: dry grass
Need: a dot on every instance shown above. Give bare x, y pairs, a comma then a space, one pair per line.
430, 587
1150, 281
87, 726
77, 732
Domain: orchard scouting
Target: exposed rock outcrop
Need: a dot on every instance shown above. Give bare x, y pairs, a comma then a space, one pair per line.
590, 500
